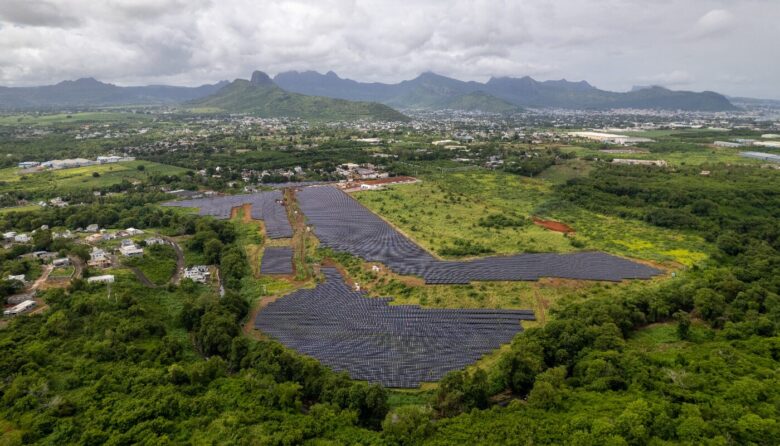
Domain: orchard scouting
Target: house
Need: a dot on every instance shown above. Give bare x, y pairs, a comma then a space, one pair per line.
99, 258
106, 278
109, 159
632, 162
198, 273
130, 250
28, 164
19, 277
61, 263
92, 228
133, 231
23, 307
731, 145
22, 238
154, 241
57, 202
9, 235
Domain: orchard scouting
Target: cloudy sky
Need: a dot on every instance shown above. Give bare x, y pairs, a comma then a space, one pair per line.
728, 46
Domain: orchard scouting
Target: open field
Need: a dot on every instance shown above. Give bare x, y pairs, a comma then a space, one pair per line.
701, 155
81, 178
442, 209
85, 117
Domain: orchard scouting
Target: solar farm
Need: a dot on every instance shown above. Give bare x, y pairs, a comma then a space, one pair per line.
397, 346
343, 224
266, 206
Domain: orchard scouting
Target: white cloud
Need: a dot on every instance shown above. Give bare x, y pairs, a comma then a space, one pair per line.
196, 41
676, 78
714, 22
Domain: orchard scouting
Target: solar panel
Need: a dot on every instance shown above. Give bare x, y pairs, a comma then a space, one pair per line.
277, 260
371, 340
266, 206
343, 224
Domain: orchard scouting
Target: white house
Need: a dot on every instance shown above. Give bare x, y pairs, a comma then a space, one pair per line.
131, 250
20, 308
106, 278
198, 273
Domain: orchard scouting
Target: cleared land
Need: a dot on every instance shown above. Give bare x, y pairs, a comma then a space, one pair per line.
69, 180
446, 208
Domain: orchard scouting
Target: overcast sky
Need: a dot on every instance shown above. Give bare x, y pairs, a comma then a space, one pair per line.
730, 46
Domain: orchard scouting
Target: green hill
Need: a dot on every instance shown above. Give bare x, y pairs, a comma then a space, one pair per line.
262, 97
480, 101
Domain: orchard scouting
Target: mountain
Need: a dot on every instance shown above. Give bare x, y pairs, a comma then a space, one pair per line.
260, 96
432, 91
88, 92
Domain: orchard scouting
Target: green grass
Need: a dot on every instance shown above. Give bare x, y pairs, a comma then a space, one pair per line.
58, 118
158, 263
702, 155
26, 208
447, 207
81, 178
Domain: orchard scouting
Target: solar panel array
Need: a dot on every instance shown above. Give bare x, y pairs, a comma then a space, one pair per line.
395, 345
266, 206
277, 260
343, 224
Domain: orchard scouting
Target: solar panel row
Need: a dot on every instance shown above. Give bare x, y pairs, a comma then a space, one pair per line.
343, 224
277, 260
266, 206
395, 345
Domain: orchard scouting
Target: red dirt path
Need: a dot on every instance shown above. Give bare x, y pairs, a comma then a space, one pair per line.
553, 225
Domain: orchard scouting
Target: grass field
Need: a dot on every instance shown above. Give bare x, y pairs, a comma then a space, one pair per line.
158, 263
68, 180
702, 155
88, 117
444, 208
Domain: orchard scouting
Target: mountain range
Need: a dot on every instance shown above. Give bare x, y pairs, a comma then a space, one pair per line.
499, 94
260, 96
311, 95
88, 92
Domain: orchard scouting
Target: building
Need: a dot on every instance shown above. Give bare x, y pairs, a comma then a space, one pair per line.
23, 307
198, 273
61, 262
22, 238
727, 144
28, 164
632, 162
769, 144
92, 228
133, 231
131, 250
67, 163
151, 241
19, 277
99, 259
106, 278
109, 159
609, 138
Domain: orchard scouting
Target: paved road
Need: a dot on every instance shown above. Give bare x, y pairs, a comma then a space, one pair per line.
176, 278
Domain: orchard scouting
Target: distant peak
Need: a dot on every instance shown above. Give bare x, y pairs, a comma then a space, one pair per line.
83, 81
332, 74
260, 78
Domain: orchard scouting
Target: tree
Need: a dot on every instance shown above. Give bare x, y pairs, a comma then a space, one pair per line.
212, 250
683, 324
408, 425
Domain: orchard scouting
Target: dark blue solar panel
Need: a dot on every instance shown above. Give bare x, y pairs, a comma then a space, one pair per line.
395, 345
343, 224
266, 206
277, 260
